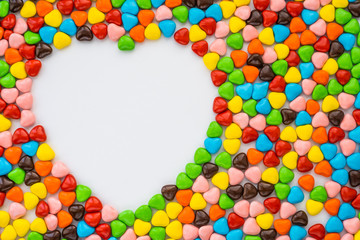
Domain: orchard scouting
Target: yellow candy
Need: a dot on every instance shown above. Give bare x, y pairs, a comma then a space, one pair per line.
38, 225
4, 219
9, 233
5, 123
240, 3
174, 230
293, 75
331, 66
28, 10
45, 153
61, 40
53, 18
277, 100
265, 221
152, 32
228, 8
30, 200
160, 219
290, 160
18, 70
211, 60
21, 227
141, 228
236, 24
221, 180
270, 175
39, 190
330, 103
95, 16
196, 33
197, 202
233, 131
304, 132
282, 51
266, 36
288, 134
235, 104
232, 146
357, 235
173, 209
327, 13
315, 154
313, 207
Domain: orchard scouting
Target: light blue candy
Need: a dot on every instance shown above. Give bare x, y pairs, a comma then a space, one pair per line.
260, 90
353, 161
221, 226
112, 238
355, 135
244, 91
295, 195
215, 12
329, 150
306, 69
281, 33
263, 143
30, 148
340, 176
157, 3
5, 166
47, 34
338, 162
292, 91
297, 233
234, 235
346, 211
68, 26
129, 21
213, 145
334, 225
196, 15
263, 106
130, 6
303, 118
347, 40
167, 27
84, 230
309, 17
357, 101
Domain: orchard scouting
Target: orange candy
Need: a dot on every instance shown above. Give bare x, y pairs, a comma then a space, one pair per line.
1, 32
332, 206
43, 168
216, 212
307, 37
293, 41
67, 198
52, 184
187, 215
255, 46
319, 135
15, 194
13, 154
103, 5
12, 56
306, 182
254, 156
321, 77
282, 226
297, 25
172, 3
251, 73
184, 196
43, 8
146, 17
64, 219
332, 236
312, 106
79, 17
323, 168
239, 57
333, 31
137, 33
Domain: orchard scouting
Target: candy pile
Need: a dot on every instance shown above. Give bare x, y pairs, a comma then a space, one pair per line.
287, 76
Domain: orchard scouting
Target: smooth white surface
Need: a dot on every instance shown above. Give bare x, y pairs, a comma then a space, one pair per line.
125, 123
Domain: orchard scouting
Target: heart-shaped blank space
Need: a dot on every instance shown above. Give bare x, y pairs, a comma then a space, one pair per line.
124, 123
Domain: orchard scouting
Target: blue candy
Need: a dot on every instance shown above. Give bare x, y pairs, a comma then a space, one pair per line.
5, 166
347, 40
303, 118
30, 148
167, 27
215, 12
353, 161
245, 91
130, 6
297, 233
84, 230
355, 135
346, 211
260, 90
340, 176
263, 106
213, 145
47, 34
292, 91
221, 226
157, 3
334, 225
309, 17
68, 26
196, 15
357, 101
281, 33
234, 235
295, 195
306, 69
129, 21
338, 162
329, 150
263, 143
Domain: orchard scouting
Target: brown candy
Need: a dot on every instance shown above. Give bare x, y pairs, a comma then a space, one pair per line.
235, 191
209, 170
42, 50
31, 178
265, 189
77, 211
284, 18
15, 5
5, 184
266, 73
241, 162
336, 49
189, 3
354, 9
288, 115
201, 218
26, 163
269, 234
354, 178
70, 233
335, 117
169, 192
84, 34
255, 18
300, 218
255, 60
204, 4
53, 235
250, 191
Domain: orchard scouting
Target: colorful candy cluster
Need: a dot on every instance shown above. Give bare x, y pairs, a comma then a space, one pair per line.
293, 94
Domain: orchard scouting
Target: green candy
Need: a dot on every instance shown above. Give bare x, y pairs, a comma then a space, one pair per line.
144, 213
226, 90
82, 193
144, 4
249, 107
4, 8
35, 236
342, 16
193, 170
226, 64
344, 61
355, 71
214, 130
118, 228
183, 181
237, 77
280, 67
282, 190
352, 86
334, 87
31, 37
117, 3
235, 41
225, 202
127, 217
223, 160
319, 92
157, 201
126, 43
17, 175
318, 194
305, 53
286, 175
352, 26
274, 117
4, 68
249, 237
8, 81
181, 13
157, 233
355, 55
202, 156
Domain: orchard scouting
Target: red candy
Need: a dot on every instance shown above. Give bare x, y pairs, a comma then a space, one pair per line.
282, 147
336, 134
99, 30
93, 219
269, 18
343, 76
219, 105
12, 111
347, 194
27, 51
272, 204
114, 16
261, 5
20, 136
38, 134
200, 48
103, 230
224, 118
292, 59
65, 6
317, 231
322, 44
2, 196
42, 209
208, 25
82, 5
272, 132
181, 36
93, 204
9, 21
249, 135
270, 159
218, 77
235, 221
33, 67
294, 8
69, 183
304, 164
35, 23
